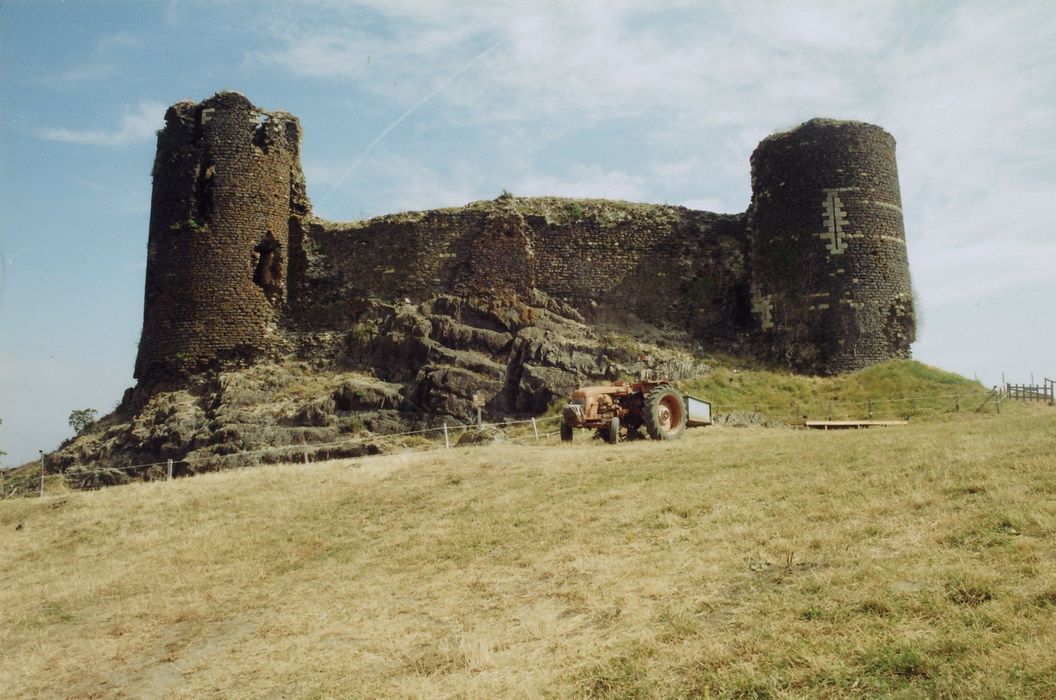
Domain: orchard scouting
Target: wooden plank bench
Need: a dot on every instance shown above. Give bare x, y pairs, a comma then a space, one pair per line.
845, 424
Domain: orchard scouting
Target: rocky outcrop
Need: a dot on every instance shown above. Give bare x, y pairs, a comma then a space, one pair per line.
398, 367
269, 332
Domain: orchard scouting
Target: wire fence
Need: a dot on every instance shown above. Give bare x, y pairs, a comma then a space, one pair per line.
834, 409
518, 432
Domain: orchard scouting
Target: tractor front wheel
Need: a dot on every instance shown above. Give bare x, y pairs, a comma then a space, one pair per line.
566, 432
665, 414
612, 432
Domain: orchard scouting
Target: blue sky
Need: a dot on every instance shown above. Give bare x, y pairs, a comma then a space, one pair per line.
411, 105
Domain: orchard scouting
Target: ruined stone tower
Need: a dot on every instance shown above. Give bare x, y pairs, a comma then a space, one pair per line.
830, 282
814, 276
228, 188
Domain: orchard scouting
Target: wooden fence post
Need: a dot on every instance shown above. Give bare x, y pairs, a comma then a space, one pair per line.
535, 429
41, 473
869, 408
168, 471
447, 439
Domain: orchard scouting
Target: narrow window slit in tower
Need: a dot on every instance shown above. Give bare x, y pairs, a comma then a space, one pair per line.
267, 268
203, 190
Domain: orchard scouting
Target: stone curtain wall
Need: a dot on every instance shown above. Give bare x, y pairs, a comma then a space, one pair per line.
227, 187
391, 257
667, 265
814, 276
830, 276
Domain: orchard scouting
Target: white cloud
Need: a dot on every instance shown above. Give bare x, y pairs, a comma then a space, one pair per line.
973, 112
824, 25
582, 181
80, 73
682, 169
947, 275
98, 66
397, 183
121, 197
319, 174
335, 56
968, 89
30, 386
138, 123
711, 204
114, 42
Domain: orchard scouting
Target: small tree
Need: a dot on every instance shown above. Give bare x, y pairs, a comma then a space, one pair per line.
82, 418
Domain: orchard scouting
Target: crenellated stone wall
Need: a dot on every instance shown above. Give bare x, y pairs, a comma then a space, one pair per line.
814, 276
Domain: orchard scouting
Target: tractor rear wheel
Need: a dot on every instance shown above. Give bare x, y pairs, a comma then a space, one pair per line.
612, 432
665, 413
566, 432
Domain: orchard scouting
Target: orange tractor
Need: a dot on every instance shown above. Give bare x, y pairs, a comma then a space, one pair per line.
619, 411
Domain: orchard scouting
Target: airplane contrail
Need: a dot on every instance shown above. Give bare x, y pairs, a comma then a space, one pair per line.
399, 120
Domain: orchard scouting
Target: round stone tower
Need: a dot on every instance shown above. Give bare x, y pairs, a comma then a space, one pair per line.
830, 286
228, 190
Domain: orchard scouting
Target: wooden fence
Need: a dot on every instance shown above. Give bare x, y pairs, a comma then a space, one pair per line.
1031, 392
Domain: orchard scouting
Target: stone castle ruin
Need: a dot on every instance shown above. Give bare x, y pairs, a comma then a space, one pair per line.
814, 276
266, 328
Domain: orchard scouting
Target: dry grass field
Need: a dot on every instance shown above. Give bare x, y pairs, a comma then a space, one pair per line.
909, 562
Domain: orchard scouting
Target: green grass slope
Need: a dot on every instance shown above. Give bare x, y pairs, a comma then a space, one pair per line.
913, 561
897, 388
